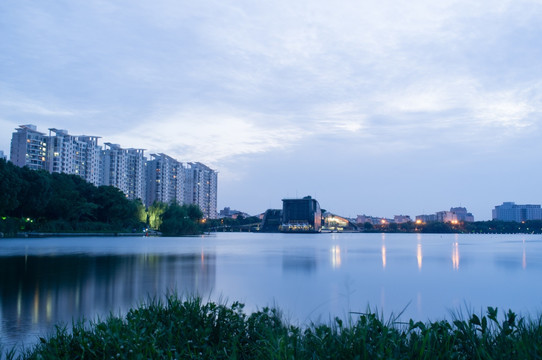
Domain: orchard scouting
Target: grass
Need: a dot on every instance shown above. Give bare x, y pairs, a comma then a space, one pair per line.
191, 329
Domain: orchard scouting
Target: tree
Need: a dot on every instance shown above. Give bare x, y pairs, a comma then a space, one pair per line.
10, 185
177, 221
155, 213
114, 208
35, 193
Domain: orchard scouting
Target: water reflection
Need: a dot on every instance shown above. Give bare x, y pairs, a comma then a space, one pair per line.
336, 257
41, 290
524, 258
419, 255
383, 251
310, 277
299, 261
455, 255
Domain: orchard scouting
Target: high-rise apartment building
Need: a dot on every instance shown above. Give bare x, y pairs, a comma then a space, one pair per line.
113, 167
201, 188
29, 148
165, 180
77, 155
136, 174
510, 211
123, 169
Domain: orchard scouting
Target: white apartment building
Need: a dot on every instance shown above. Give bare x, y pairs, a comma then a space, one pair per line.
29, 148
201, 188
77, 155
165, 180
136, 174
123, 169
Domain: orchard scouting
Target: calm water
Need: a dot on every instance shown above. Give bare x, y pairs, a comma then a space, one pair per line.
310, 277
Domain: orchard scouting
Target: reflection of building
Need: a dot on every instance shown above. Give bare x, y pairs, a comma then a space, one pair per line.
509, 211
38, 291
301, 215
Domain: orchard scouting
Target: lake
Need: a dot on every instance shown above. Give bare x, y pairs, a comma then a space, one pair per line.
310, 277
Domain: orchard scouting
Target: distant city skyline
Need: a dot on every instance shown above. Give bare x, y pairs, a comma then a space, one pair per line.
372, 107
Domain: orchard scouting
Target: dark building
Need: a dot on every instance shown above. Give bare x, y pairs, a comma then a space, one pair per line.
272, 219
301, 215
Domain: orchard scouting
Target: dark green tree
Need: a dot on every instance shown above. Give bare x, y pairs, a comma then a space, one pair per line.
10, 185
177, 221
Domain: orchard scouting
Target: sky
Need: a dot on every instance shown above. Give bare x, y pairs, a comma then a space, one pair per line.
372, 107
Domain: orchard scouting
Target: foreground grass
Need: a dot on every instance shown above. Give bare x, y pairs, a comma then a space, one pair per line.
192, 329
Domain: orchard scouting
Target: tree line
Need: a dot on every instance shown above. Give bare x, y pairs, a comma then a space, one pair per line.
476, 227
35, 200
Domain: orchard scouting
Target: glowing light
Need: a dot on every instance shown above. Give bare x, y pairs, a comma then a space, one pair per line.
418, 221
419, 256
336, 256
49, 307
383, 256
35, 317
455, 255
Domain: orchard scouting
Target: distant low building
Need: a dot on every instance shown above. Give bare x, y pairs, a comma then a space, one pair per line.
401, 219
301, 215
455, 215
233, 214
462, 214
2, 155
271, 220
373, 220
426, 218
334, 222
510, 211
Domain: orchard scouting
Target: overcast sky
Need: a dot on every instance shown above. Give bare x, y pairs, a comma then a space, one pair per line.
373, 107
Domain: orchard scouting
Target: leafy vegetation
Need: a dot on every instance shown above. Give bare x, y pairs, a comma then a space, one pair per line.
42, 202
181, 220
192, 329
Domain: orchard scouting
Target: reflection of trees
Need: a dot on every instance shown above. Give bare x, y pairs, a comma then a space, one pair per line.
37, 291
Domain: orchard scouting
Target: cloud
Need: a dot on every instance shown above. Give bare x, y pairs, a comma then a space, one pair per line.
35, 108
201, 135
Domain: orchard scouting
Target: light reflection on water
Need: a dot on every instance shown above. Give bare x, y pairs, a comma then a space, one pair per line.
310, 277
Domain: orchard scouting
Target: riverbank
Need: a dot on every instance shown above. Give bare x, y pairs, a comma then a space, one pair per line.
192, 329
